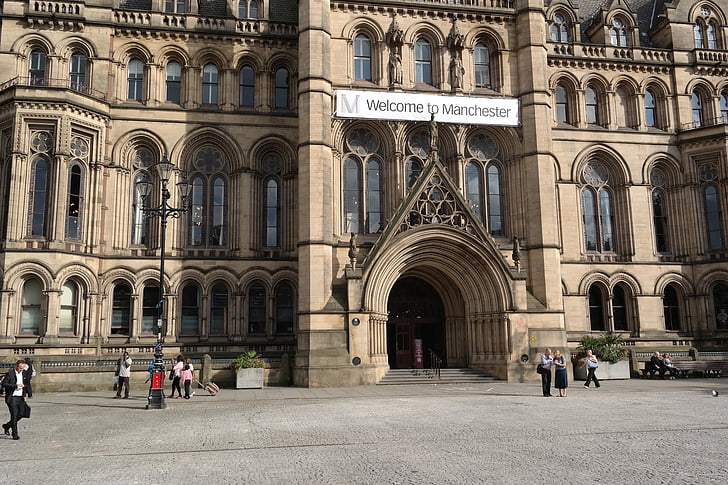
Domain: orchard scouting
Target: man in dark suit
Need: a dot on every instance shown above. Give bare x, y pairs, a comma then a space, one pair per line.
15, 385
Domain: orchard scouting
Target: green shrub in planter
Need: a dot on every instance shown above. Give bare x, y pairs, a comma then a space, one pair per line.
608, 347
248, 360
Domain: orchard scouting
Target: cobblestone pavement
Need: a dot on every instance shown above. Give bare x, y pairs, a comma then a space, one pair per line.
645, 431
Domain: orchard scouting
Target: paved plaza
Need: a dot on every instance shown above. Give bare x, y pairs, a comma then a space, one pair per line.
636, 431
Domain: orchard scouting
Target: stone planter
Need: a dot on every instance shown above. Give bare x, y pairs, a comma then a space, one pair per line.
250, 378
606, 371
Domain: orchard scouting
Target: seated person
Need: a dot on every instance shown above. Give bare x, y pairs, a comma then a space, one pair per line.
669, 367
656, 365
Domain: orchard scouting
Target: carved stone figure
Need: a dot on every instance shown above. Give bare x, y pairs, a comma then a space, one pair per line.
432, 128
457, 71
353, 251
395, 68
516, 253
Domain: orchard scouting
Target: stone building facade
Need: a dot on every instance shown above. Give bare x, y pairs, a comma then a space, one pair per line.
351, 243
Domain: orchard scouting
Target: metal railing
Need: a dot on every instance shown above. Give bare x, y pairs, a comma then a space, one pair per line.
31, 81
720, 120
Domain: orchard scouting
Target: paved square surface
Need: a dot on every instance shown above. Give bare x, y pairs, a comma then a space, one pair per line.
635, 431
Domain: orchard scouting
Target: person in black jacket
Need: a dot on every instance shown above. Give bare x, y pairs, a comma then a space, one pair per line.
15, 383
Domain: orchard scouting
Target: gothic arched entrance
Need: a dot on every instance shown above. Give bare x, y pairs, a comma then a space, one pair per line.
415, 312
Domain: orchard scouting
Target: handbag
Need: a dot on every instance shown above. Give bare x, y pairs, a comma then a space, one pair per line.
540, 369
25, 412
171, 374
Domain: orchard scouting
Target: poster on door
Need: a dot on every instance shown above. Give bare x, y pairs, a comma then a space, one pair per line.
419, 355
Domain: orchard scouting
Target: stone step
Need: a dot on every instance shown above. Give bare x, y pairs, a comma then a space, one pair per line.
425, 376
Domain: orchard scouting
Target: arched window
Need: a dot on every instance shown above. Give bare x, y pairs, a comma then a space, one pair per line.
74, 202
243, 9
68, 315
140, 227
135, 79
720, 306
724, 108
190, 310
39, 196
374, 196
705, 29
597, 211
362, 58
208, 199
281, 91
272, 208
284, 309
30, 317
671, 308
559, 29
484, 193
495, 201
713, 217
209, 84
77, 71
253, 9
592, 106
596, 309
362, 184
150, 308
247, 87
174, 82
473, 187
352, 195
121, 310
198, 211
562, 104
696, 103
481, 55
256, 309
620, 311
649, 108
423, 62
618, 33
219, 309
37, 70
659, 220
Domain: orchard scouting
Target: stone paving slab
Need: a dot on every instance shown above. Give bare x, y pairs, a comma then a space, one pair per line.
635, 431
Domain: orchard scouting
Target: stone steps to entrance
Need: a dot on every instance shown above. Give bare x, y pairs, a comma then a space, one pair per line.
425, 376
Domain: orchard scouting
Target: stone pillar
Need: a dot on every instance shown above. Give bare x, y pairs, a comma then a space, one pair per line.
542, 242
322, 358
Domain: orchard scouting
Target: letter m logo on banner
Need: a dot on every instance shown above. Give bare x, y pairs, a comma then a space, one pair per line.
344, 107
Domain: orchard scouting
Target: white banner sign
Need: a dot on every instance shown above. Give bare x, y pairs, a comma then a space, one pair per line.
377, 105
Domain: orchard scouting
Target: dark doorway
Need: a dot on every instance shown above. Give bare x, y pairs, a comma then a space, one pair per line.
415, 312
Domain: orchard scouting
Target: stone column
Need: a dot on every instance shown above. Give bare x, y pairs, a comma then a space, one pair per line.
322, 358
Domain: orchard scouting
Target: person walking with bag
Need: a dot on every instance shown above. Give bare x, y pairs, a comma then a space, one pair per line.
124, 373
176, 375
591, 367
15, 383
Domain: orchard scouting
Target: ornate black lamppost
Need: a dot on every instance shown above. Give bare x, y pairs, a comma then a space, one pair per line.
163, 211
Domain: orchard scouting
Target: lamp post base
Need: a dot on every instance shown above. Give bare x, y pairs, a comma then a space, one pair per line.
156, 399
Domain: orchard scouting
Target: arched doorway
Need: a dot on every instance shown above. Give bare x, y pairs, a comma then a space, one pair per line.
415, 311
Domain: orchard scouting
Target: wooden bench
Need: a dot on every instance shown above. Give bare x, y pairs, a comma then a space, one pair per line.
709, 368
650, 371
